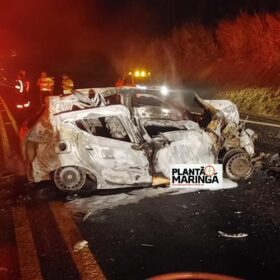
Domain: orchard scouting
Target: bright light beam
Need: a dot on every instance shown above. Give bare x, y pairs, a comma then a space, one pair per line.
164, 90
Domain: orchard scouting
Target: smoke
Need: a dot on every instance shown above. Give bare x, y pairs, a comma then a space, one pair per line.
96, 41
90, 40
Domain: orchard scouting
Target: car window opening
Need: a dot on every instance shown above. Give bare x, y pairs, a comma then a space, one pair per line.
113, 99
205, 118
154, 130
81, 125
108, 127
140, 100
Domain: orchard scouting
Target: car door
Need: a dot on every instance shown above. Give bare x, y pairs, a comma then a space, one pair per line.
180, 142
185, 147
113, 155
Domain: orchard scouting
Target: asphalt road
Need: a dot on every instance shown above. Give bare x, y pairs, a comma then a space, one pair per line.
153, 234
167, 233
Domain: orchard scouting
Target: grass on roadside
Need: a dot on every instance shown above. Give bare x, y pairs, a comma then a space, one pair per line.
261, 101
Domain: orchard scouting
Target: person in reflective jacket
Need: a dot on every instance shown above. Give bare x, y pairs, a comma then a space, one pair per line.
67, 84
45, 85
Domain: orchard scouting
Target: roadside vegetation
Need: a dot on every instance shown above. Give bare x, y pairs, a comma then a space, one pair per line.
260, 101
241, 53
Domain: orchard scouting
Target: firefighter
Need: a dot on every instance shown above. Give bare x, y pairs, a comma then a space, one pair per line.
45, 85
119, 82
22, 85
67, 84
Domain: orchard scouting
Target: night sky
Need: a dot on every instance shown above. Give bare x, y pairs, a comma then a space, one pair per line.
82, 37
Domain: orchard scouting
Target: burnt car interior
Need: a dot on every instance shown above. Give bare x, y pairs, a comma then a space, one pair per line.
108, 127
139, 100
204, 119
113, 99
154, 130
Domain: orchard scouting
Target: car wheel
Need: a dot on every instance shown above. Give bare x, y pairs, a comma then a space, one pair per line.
90, 186
73, 179
237, 165
70, 178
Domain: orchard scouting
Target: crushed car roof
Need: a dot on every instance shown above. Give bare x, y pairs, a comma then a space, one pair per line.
110, 110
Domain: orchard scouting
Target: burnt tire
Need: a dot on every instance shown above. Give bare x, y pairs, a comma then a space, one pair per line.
74, 180
237, 165
89, 187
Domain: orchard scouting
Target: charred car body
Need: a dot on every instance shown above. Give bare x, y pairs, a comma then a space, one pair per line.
84, 143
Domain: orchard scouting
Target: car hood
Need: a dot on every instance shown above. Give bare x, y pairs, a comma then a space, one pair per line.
226, 107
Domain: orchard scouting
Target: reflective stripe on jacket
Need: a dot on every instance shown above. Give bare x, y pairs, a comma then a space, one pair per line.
46, 84
67, 85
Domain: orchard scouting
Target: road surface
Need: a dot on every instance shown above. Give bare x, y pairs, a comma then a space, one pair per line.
138, 233
262, 121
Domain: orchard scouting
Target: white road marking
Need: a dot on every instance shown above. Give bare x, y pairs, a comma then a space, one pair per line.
10, 116
261, 123
4, 139
27, 254
83, 259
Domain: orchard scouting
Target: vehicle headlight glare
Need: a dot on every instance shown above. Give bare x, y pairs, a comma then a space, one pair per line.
164, 90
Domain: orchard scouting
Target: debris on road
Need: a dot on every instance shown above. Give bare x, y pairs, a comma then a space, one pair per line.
273, 163
268, 162
72, 197
274, 157
234, 235
87, 215
80, 245
147, 245
258, 158
97, 204
159, 181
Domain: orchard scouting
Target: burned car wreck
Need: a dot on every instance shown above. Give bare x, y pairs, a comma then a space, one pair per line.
83, 143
